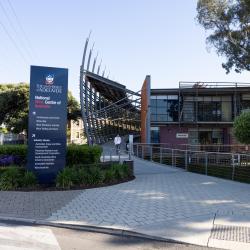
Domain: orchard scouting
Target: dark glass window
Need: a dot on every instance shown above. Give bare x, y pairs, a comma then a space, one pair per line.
155, 135
164, 108
209, 111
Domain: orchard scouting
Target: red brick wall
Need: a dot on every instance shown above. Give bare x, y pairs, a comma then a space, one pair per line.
168, 135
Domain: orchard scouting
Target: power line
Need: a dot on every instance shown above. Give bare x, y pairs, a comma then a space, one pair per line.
21, 28
14, 29
14, 43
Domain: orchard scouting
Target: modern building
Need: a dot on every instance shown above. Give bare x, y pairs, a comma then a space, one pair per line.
197, 113
194, 113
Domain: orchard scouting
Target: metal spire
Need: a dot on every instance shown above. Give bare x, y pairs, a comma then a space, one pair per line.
94, 63
99, 67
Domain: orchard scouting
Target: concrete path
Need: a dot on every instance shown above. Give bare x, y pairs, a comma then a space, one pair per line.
162, 201
168, 202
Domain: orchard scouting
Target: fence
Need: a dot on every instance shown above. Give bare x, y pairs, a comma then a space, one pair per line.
110, 155
233, 166
227, 148
10, 138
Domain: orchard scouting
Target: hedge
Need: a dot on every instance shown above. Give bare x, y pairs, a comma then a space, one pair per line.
83, 154
76, 154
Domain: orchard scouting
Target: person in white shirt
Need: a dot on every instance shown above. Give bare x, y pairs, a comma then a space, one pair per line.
117, 142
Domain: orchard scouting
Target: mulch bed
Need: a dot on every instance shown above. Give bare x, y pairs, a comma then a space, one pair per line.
82, 187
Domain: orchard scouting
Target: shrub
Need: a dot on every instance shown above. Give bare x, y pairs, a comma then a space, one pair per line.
10, 179
118, 172
241, 127
78, 175
109, 175
121, 171
29, 180
65, 178
95, 153
126, 170
94, 176
76, 154
83, 154
13, 154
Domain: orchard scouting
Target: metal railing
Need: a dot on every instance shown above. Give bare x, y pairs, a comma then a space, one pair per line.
233, 166
111, 155
227, 148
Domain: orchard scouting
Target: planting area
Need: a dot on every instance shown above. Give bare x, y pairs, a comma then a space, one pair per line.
83, 170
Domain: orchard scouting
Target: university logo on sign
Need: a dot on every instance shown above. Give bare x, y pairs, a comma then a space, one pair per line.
49, 79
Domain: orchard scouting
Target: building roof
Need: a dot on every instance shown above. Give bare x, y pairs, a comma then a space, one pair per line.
111, 90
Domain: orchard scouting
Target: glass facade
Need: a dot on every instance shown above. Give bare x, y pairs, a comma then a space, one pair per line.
207, 109
164, 108
206, 136
245, 102
155, 134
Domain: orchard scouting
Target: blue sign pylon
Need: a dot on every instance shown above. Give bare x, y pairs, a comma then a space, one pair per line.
47, 122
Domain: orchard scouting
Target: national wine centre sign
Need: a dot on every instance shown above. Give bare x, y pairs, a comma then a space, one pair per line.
47, 121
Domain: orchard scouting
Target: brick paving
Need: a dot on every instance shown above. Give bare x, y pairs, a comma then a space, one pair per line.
159, 200
157, 194
33, 205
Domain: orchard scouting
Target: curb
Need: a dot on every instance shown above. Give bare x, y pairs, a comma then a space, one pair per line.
95, 229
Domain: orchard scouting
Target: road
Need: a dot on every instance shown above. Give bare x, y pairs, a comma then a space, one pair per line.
18, 236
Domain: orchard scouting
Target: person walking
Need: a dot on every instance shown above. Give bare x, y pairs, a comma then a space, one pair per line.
117, 142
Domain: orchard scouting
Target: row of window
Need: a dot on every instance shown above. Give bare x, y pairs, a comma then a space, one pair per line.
165, 109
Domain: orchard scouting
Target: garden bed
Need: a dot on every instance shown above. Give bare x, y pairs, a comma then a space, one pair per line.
16, 178
83, 170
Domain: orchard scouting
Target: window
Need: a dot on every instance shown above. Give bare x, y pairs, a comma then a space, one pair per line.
209, 111
155, 134
164, 108
77, 135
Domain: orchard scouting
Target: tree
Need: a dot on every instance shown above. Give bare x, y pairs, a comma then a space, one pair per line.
14, 107
242, 127
73, 108
14, 103
229, 20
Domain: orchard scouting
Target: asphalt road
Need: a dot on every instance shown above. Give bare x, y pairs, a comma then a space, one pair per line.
17, 236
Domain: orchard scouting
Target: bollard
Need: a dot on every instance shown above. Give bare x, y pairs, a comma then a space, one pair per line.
172, 157
186, 159
160, 154
233, 171
206, 161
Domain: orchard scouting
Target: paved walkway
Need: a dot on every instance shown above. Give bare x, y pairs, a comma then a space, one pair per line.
162, 201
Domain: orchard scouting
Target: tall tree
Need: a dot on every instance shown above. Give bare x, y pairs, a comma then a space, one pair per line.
14, 102
73, 108
242, 127
14, 107
229, 24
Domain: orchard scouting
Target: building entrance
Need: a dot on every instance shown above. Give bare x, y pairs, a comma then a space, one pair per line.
205, 137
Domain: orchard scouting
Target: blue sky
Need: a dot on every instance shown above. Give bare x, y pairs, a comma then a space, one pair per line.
134, 38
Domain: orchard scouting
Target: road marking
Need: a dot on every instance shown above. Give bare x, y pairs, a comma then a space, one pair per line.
16, 237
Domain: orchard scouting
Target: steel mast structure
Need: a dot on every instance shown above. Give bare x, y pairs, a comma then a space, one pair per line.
107, 107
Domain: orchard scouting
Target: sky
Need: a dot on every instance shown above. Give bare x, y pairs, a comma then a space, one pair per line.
134, 38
